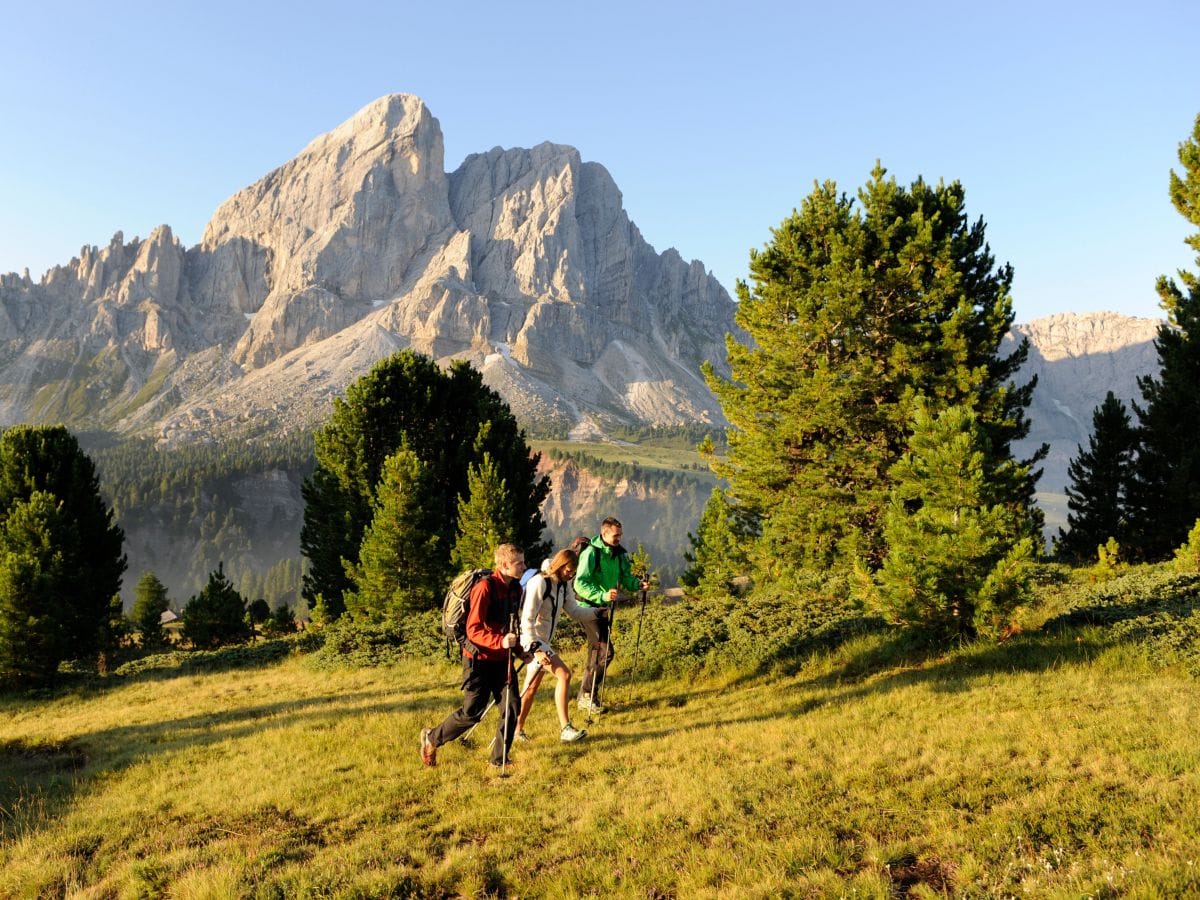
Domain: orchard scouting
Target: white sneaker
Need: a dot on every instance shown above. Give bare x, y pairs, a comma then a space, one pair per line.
588, 705
570, 734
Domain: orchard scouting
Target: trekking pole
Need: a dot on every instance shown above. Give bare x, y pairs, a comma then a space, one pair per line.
467, 737
637, 645
508, 679
491, 703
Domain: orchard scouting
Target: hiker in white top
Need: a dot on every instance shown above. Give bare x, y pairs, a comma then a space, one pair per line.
547, 595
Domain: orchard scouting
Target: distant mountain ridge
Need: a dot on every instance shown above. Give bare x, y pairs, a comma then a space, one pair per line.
521, 261
1078, 358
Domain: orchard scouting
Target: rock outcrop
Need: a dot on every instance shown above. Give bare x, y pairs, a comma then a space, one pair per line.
522, 261
1078, 358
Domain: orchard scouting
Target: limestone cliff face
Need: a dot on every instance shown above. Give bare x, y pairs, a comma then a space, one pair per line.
658, 515
522, 261
1078, 359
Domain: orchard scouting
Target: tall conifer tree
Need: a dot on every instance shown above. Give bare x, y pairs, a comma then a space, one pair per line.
149, 603
1100, 476
449, 420
959, 557
485, 518
852, 312
40, 459
37, 551
395, 574
1164, 499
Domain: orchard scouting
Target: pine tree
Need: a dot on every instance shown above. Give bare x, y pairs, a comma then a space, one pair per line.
217, 615
485, 518
1099, 476
396, 573
958, 558
448, 420
1164, 494
48, 459
853, 313
149, 603
37, 540
718, 555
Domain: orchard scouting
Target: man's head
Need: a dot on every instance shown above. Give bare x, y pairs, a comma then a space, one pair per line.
510, 560
611, 531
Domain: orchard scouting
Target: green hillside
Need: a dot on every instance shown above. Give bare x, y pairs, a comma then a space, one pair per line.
1062, 762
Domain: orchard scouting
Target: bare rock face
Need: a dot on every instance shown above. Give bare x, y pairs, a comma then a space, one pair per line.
1078, 359
92, 333
521, 261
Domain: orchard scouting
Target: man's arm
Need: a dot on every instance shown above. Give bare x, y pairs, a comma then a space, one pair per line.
479, 631
587, 579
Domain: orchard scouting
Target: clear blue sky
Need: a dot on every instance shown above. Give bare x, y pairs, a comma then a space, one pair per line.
1062, 120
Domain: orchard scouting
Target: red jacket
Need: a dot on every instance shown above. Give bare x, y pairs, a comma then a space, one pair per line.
494, 600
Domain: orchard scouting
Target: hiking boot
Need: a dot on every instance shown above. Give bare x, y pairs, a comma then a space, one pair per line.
570, 734
522, 737
588, 705
428, 748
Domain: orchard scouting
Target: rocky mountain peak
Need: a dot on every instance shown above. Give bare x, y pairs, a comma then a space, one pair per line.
522, 261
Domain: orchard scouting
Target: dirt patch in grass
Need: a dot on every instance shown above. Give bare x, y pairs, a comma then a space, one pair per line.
909, 872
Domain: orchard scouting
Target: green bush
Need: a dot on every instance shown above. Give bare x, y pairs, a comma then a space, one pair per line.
1187, 557
1153, 607
774, 624
350, 643
236, 657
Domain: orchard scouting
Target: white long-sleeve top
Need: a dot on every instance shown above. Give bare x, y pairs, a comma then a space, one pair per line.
545, 598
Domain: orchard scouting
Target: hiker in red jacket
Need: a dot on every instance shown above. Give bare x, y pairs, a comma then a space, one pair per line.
488, 672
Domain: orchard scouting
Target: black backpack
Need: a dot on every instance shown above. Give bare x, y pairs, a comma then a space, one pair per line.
457, 604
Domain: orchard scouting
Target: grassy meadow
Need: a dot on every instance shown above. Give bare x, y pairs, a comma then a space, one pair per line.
1064, 762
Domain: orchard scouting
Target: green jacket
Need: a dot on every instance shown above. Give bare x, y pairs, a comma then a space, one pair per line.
602, 568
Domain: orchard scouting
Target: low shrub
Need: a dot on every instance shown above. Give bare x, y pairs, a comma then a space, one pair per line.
354, 643
1153, 607
188, 661
769, 626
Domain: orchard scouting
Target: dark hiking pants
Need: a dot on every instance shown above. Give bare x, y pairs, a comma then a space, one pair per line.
600, 654
484, 680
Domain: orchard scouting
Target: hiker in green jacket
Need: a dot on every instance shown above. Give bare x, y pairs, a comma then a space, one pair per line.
604, 571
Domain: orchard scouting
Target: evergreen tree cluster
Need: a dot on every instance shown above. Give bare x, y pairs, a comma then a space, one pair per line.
651, 476
280, 585
1140, 484
859, 317
61, 559
190, 502
416, 469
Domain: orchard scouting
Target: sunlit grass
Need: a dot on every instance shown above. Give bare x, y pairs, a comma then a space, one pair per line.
1048, 766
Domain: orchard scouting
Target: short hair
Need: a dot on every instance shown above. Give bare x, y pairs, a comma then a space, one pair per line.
611, 522
508, 553
563, 559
